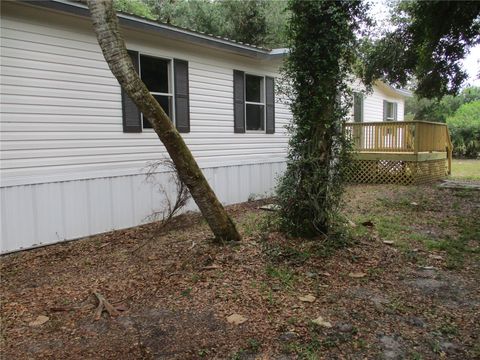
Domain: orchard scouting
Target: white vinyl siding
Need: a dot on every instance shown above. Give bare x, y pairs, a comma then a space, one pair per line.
373, 105
61, 114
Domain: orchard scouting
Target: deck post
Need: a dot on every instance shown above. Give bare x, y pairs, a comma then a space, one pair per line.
416, 137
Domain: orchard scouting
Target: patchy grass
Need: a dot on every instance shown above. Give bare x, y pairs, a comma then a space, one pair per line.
456, 248
466, 169
415, 219
418, 286
282, 275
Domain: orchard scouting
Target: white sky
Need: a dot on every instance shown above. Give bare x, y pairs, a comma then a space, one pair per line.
471, 64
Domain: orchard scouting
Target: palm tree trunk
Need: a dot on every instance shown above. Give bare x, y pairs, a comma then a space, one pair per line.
105, 24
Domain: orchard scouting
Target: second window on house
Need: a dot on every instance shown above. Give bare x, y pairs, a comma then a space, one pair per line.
254, 103
389, 111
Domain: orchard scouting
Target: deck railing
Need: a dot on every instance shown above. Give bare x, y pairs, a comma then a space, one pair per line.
400, 136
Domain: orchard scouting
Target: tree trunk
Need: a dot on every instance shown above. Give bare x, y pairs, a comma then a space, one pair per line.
105, 24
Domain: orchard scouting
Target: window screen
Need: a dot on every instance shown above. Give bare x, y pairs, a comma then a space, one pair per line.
254, 103
155, 74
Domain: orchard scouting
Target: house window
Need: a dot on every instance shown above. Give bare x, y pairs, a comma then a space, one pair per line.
254, 103
357, 107
390, 113
156, 75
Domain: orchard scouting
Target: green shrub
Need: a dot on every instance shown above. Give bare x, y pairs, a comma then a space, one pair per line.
464, 128
309, 193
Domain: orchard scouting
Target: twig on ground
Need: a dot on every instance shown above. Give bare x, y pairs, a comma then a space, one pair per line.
176, 273
103, 304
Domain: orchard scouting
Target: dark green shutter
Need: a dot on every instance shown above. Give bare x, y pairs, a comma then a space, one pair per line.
270, 104
182, 99
385, 109
130, 114
238, 101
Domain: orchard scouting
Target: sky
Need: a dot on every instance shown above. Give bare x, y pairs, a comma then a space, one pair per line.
471, 64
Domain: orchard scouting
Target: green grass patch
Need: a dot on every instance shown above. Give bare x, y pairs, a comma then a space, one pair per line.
456, 248
252, 348
317, 343
282, 274
466, 169
253, 224
293, 255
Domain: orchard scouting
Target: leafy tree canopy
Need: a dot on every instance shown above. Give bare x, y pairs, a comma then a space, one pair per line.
466, 115
258, 22
439, 110
429, 40
136, 7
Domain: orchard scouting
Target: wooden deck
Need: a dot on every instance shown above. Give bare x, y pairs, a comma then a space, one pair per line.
400, 152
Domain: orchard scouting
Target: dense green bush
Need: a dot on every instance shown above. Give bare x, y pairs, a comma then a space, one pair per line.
464, 128
439, 110
322, 54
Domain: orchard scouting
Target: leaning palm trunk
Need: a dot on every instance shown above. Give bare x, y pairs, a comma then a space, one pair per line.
105, 24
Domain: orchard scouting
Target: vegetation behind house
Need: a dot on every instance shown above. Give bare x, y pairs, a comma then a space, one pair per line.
461, 113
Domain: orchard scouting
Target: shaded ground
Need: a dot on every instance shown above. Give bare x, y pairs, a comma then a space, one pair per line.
406, 287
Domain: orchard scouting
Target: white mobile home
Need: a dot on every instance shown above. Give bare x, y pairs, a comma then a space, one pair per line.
74, 149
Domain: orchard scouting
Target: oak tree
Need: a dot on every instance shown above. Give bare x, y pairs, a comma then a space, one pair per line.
427, 41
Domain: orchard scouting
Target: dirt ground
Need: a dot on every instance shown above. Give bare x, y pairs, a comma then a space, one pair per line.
405, 287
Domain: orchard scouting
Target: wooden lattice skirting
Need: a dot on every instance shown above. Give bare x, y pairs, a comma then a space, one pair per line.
396, 171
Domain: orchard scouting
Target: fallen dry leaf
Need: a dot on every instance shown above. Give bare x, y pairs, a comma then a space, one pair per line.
388, 242
307, 298
357, 275
236, 319
40, 320
322, 322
